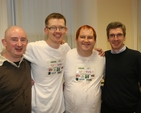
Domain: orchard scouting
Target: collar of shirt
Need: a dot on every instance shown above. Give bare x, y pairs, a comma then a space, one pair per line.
121, 50
2, 59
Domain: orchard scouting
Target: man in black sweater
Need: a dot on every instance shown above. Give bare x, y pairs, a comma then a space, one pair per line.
121, 92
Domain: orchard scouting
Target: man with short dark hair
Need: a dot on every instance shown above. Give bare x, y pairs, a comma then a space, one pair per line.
121, 92
47, 63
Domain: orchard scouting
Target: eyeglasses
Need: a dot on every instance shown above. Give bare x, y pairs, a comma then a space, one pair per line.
54, 28
119, 35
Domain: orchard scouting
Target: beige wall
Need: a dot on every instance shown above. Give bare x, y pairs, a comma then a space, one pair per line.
117, 10
139, 25
97, 13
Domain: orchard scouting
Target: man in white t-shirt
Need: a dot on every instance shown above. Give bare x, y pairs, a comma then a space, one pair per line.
83, 71
47, 63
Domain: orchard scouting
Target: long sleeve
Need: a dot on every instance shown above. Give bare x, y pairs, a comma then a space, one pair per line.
139, 105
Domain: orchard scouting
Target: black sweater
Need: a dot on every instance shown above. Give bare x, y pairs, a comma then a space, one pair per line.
122, 75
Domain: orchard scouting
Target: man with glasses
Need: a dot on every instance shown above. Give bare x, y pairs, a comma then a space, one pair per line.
121, 92
47, 61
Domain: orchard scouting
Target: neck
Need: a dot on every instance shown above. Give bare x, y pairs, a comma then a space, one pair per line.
10, 58
53, 45
117, 50
84, 53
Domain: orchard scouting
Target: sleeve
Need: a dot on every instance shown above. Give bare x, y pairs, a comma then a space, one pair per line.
29, 53
138, 110
67, 47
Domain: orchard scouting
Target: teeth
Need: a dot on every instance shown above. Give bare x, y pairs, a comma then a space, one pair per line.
57, 36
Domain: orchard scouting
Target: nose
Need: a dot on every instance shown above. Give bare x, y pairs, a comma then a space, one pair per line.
116, 37
86, 39
57, 29
19, 43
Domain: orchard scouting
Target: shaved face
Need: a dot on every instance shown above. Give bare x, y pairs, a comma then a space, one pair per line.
15, 42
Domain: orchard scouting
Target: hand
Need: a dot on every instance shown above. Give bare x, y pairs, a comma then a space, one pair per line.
32, 82
63, 86
62, 42
101, 52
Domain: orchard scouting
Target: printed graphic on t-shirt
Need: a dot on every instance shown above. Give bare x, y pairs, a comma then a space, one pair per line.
55, 67
84, 74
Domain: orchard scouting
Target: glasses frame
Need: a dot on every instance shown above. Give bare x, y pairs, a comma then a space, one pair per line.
119, 35
54, 28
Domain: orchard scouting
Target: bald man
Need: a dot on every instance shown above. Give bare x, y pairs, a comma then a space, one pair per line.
15, 78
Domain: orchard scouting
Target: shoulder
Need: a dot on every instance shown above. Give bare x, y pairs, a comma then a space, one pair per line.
26, 61
65, 45
134, 52
2, 59
71, 52
36, 43
108, 51
96, 55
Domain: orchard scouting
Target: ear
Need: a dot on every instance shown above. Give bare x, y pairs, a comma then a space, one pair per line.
95, 40
107, 39
3, 42
76, 39
124, 38
27, 41
45, 30
66, 29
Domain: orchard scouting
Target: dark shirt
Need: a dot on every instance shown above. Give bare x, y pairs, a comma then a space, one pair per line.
15, 88
122, 75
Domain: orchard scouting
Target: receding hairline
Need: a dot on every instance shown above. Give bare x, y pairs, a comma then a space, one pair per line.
12, 28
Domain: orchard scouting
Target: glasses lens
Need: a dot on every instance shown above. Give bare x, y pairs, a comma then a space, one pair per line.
117, 35
54, 28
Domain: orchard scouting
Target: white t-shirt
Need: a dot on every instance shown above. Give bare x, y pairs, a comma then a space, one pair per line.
82, 82
47, 72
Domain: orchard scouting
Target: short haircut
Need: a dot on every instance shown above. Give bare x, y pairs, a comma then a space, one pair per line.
54, 16
114, 25
86, 27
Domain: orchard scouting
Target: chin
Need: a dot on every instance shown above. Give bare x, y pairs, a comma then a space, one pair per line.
19, 54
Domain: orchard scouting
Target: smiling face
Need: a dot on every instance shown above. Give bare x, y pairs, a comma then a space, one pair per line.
116, 39
85, 41
55, 37
15, 42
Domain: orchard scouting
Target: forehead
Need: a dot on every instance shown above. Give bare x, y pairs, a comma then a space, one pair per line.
56, 22
16, 33
86, 31
116, 30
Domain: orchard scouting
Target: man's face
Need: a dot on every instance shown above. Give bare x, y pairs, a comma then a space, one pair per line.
85, 41
56, 31
15, 43
116, 39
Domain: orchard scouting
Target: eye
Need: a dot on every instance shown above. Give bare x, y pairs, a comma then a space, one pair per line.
62, 28
90, 37
23, 39
14, 39
83, 37
53, 28
119, 35
112, 35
